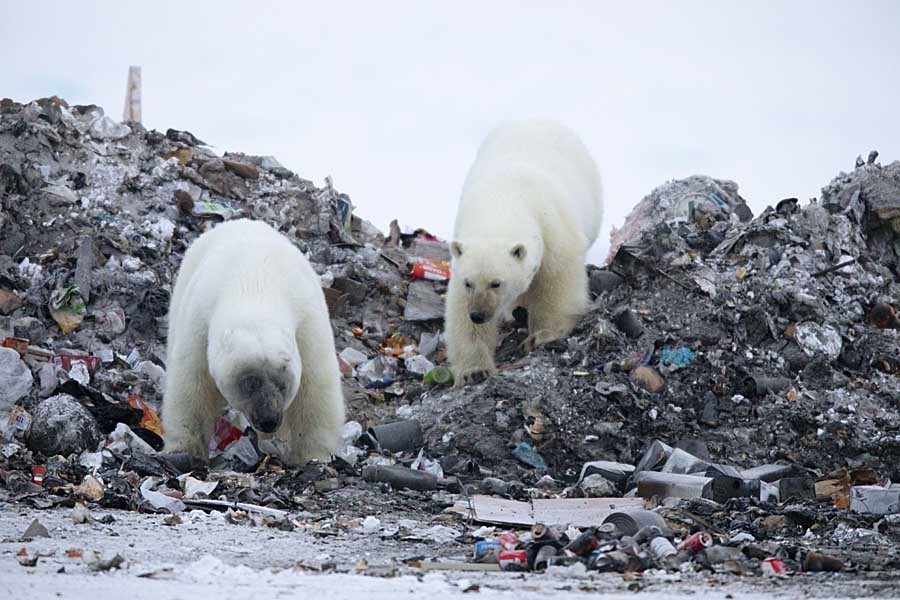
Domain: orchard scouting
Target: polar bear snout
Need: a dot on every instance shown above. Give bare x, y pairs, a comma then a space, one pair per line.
477, 317
267, 422
261, 397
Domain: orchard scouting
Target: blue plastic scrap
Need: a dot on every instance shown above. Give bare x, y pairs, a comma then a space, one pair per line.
528, 455
676, 357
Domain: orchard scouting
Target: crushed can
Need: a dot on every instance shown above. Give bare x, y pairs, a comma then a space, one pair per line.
20, 345
513, 560
773, 566
37, 474
66, 360
509, 540
696, 543
431, 269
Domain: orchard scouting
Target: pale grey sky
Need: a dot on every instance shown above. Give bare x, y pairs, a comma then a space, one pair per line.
392, 98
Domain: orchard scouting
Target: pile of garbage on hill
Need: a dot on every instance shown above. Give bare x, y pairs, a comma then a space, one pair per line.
729, 403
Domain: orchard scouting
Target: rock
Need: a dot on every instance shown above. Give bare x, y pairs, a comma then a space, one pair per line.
36, 530
716, 555
772, 524
15, 379
61, 425
247, 171
604, 281
29, 328
597, 486
423, 303
356, 291
9, 302
105, 128
819, 340
47, 379
185, 137
60, 194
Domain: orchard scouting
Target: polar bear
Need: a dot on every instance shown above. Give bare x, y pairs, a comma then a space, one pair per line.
530, 210
249, 329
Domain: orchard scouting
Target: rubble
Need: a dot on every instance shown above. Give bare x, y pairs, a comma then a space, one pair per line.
728, 405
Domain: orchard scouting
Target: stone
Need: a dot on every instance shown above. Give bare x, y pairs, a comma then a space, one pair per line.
423, 303
61, 425
597, 486
105, 128
604, 281
9, 301
60, 194
36, 530
356, 291
247, 171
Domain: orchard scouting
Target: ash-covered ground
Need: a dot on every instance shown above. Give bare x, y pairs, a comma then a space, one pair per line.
738, 373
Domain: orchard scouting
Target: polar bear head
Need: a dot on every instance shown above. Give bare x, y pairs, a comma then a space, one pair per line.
257, 370
493, 274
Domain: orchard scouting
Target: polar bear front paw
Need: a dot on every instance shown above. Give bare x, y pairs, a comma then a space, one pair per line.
472, 377
539, 338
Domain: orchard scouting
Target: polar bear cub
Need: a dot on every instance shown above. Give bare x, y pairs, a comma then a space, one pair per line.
530, 210
249, 329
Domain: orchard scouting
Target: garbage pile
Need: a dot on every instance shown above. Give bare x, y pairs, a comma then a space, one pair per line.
733, 391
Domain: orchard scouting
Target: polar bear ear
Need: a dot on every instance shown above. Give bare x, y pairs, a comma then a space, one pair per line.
456, 249
518, 251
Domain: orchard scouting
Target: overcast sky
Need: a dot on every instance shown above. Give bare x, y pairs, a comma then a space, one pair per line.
392, 98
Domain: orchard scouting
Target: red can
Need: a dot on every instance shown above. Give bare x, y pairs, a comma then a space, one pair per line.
20, 345
65, 361
432, 269
696, 543
37, 474
513, 560
508, 540
773, 566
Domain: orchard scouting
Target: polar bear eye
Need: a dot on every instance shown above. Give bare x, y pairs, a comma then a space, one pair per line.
495, 284
468, 285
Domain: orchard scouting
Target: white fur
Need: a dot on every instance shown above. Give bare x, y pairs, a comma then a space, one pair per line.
534, 185
246, 296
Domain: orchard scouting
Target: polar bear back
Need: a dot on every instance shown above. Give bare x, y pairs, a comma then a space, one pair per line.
535, 154
243, 257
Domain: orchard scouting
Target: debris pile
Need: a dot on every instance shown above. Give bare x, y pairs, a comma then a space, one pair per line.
729, 403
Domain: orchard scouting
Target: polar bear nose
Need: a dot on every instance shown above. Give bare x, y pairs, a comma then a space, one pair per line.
477, 317
269, 424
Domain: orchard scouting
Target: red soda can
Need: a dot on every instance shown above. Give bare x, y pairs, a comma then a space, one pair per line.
696, 543
773, 566
432, 269
508, 540
513, 560
37, 474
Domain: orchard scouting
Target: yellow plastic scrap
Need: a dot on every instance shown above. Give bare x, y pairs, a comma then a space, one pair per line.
67, 308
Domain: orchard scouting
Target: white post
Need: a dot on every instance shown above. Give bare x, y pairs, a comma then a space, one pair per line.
133, 96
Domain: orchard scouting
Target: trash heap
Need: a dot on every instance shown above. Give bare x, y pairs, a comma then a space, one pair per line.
729, 403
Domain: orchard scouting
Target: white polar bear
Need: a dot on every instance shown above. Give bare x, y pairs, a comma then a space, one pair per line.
249, 329
530, 210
